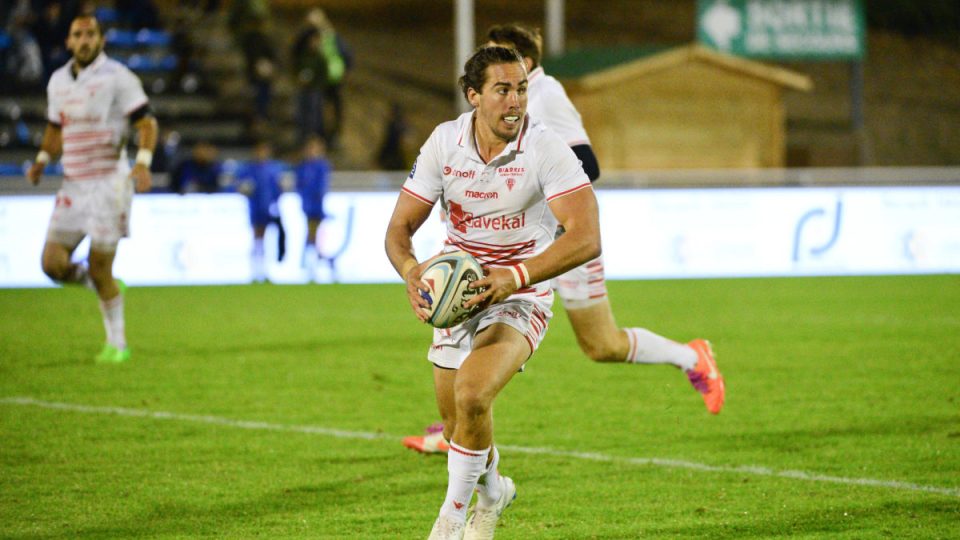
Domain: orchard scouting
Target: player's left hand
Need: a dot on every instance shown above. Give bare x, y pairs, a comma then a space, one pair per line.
497, 285
141, 177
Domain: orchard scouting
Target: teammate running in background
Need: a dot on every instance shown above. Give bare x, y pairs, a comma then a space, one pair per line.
582, 290
490, 165
313, 179
91, 101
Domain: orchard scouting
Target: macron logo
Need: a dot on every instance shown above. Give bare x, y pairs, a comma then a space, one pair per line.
481, 194
450, 171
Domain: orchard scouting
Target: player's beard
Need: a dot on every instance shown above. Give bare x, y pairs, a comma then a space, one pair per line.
86, 55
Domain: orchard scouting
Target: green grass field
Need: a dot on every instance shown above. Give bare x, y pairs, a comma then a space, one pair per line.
277, 412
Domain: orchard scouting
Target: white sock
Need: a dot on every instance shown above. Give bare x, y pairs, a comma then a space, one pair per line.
309, 256
464, 467
489, 489
258, 265
112, 311
649, 348
80, 275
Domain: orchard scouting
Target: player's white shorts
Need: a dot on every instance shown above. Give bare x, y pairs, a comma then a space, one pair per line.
99, 209
528, 314
583, 286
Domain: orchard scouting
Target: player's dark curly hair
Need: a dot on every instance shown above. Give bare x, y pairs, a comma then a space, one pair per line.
524, 39
475, 70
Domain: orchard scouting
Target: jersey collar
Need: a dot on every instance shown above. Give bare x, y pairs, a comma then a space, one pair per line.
535, 74
91, 67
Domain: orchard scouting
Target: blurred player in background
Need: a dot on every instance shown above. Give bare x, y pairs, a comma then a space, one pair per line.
582, 290
490, 167
91, 101
313, 179
259, 180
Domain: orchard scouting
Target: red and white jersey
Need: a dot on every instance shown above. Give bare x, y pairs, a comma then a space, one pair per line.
548, 102
498, 210
92, 110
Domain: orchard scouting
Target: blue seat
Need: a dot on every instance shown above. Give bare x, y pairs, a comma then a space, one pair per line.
121, 38
146, 64
153, 38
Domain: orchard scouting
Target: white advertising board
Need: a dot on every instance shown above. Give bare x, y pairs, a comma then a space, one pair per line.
682, 233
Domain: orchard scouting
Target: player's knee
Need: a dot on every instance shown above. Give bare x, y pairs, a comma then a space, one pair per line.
472, 401
54, 269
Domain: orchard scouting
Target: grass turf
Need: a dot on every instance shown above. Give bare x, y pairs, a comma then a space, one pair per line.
849, 382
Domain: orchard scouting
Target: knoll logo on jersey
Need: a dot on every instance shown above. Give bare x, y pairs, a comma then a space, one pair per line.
450, 171
463, 220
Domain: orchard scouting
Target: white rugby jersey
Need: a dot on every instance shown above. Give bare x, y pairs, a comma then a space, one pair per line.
497, 211
548, 102
92, 110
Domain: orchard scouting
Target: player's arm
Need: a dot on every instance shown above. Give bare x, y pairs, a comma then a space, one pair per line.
588, 160
408, 215
49, 150
146, 126
579, 216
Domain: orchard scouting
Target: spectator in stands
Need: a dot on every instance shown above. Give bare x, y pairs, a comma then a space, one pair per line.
199, 172
186, 74
249, 21
310, 75
393, 149
50, 30
339, 60
22, 61
313, 179
261, 70
259, 180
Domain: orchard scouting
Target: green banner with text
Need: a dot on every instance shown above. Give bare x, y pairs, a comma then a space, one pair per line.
784, 29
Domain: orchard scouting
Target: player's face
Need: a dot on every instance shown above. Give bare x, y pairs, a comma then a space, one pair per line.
503, 102
84, 40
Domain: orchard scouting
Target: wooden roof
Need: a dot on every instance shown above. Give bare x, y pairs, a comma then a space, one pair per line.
671, 58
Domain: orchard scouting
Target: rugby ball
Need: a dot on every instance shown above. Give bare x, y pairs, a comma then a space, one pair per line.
448, 280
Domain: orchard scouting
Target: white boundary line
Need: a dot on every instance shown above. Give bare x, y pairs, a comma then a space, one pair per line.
588, 456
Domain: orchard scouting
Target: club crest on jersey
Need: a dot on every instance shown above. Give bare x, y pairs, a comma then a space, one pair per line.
510, 183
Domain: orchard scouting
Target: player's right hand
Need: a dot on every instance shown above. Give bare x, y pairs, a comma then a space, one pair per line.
414, 286
35, 172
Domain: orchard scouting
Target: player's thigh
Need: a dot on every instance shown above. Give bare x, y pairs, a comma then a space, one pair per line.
499, 351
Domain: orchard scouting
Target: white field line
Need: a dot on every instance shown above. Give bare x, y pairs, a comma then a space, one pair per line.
588, 456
